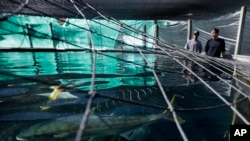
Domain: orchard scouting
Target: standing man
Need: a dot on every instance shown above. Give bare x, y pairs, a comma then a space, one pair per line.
215, 47
193, 45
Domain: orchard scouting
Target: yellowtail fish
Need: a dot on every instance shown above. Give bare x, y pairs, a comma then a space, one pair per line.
97, 125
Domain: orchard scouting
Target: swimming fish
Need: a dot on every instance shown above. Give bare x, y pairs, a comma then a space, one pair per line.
97, 125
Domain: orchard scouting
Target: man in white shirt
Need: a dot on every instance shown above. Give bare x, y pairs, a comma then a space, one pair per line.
193, 45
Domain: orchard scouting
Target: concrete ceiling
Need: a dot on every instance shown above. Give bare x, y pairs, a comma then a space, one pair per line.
128, 9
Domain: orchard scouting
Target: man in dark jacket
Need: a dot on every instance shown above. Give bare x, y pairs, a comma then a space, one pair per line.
215, 47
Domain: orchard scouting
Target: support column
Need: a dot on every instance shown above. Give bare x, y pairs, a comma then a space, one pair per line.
189, 29
240, 32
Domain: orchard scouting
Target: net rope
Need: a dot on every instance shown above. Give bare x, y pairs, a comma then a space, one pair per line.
92, 90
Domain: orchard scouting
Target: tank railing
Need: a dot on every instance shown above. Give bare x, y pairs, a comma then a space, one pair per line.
244, 94
207, 60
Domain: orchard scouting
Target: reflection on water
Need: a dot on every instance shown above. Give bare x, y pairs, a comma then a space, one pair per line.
128, 104
40, 63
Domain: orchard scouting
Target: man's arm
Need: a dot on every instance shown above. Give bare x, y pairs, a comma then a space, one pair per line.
200, 47
223, 48
207, 47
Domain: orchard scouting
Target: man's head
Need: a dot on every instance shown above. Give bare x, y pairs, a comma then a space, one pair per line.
215, 33
196, 34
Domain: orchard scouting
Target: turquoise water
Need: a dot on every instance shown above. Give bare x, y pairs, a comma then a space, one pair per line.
125, 87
